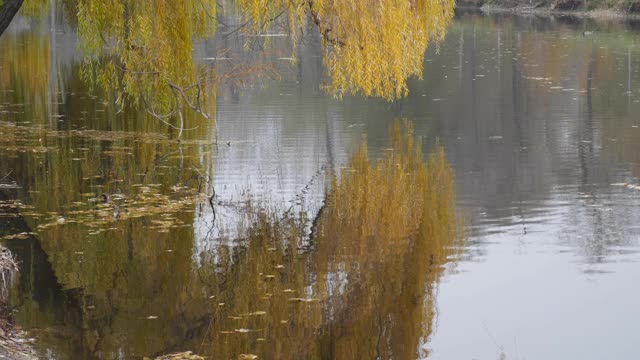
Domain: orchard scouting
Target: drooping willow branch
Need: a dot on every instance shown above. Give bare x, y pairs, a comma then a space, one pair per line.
180, 97
324, 32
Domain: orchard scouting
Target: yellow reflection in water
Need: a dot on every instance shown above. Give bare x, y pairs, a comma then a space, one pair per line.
356, 281
365, 288
24, 71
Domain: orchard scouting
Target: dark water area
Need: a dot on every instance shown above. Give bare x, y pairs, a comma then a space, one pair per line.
539, 120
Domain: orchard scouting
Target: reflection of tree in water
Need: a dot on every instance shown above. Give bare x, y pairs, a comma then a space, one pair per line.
118, 268
365, 290
132, 286
24, 65
361, 287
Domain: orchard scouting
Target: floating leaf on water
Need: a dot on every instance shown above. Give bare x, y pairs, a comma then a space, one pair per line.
20, 236
247, 357
187, 355
151, 317
306, 300
288, 290
242, 330
255, 313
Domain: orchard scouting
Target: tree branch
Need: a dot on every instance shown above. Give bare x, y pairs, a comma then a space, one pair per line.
8, 10
323, 31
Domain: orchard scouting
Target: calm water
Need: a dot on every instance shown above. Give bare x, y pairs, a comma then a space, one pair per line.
539, 123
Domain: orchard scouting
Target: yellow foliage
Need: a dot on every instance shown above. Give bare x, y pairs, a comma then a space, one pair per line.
33, 8
148, 47
370, 46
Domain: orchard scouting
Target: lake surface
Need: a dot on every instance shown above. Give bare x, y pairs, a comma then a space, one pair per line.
539, 119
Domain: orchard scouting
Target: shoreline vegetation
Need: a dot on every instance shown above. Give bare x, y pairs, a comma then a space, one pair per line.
604, 9
13, 341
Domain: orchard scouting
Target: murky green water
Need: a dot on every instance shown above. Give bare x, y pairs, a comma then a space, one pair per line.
538, 121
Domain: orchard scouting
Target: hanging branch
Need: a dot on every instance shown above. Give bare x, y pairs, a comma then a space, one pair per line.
8, 9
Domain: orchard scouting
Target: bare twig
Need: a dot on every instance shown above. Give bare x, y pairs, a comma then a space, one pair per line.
195, 108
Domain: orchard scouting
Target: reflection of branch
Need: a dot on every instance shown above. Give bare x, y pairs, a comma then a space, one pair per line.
7, 175
213, 209
162, 118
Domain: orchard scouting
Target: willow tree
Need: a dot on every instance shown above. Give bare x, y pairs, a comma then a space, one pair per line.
370, 46
140, 52
146, 52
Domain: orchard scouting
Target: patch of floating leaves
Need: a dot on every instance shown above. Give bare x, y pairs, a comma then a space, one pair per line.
187, 355
19, 236
147, 202
33, 138
10, 208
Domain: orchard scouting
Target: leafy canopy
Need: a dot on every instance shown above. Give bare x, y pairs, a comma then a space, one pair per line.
148, 47
140, 52
370, 46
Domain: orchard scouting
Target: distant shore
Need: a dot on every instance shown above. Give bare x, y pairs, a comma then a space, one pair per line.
547, 9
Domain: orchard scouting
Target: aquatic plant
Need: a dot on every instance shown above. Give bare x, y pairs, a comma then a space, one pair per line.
8, 272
